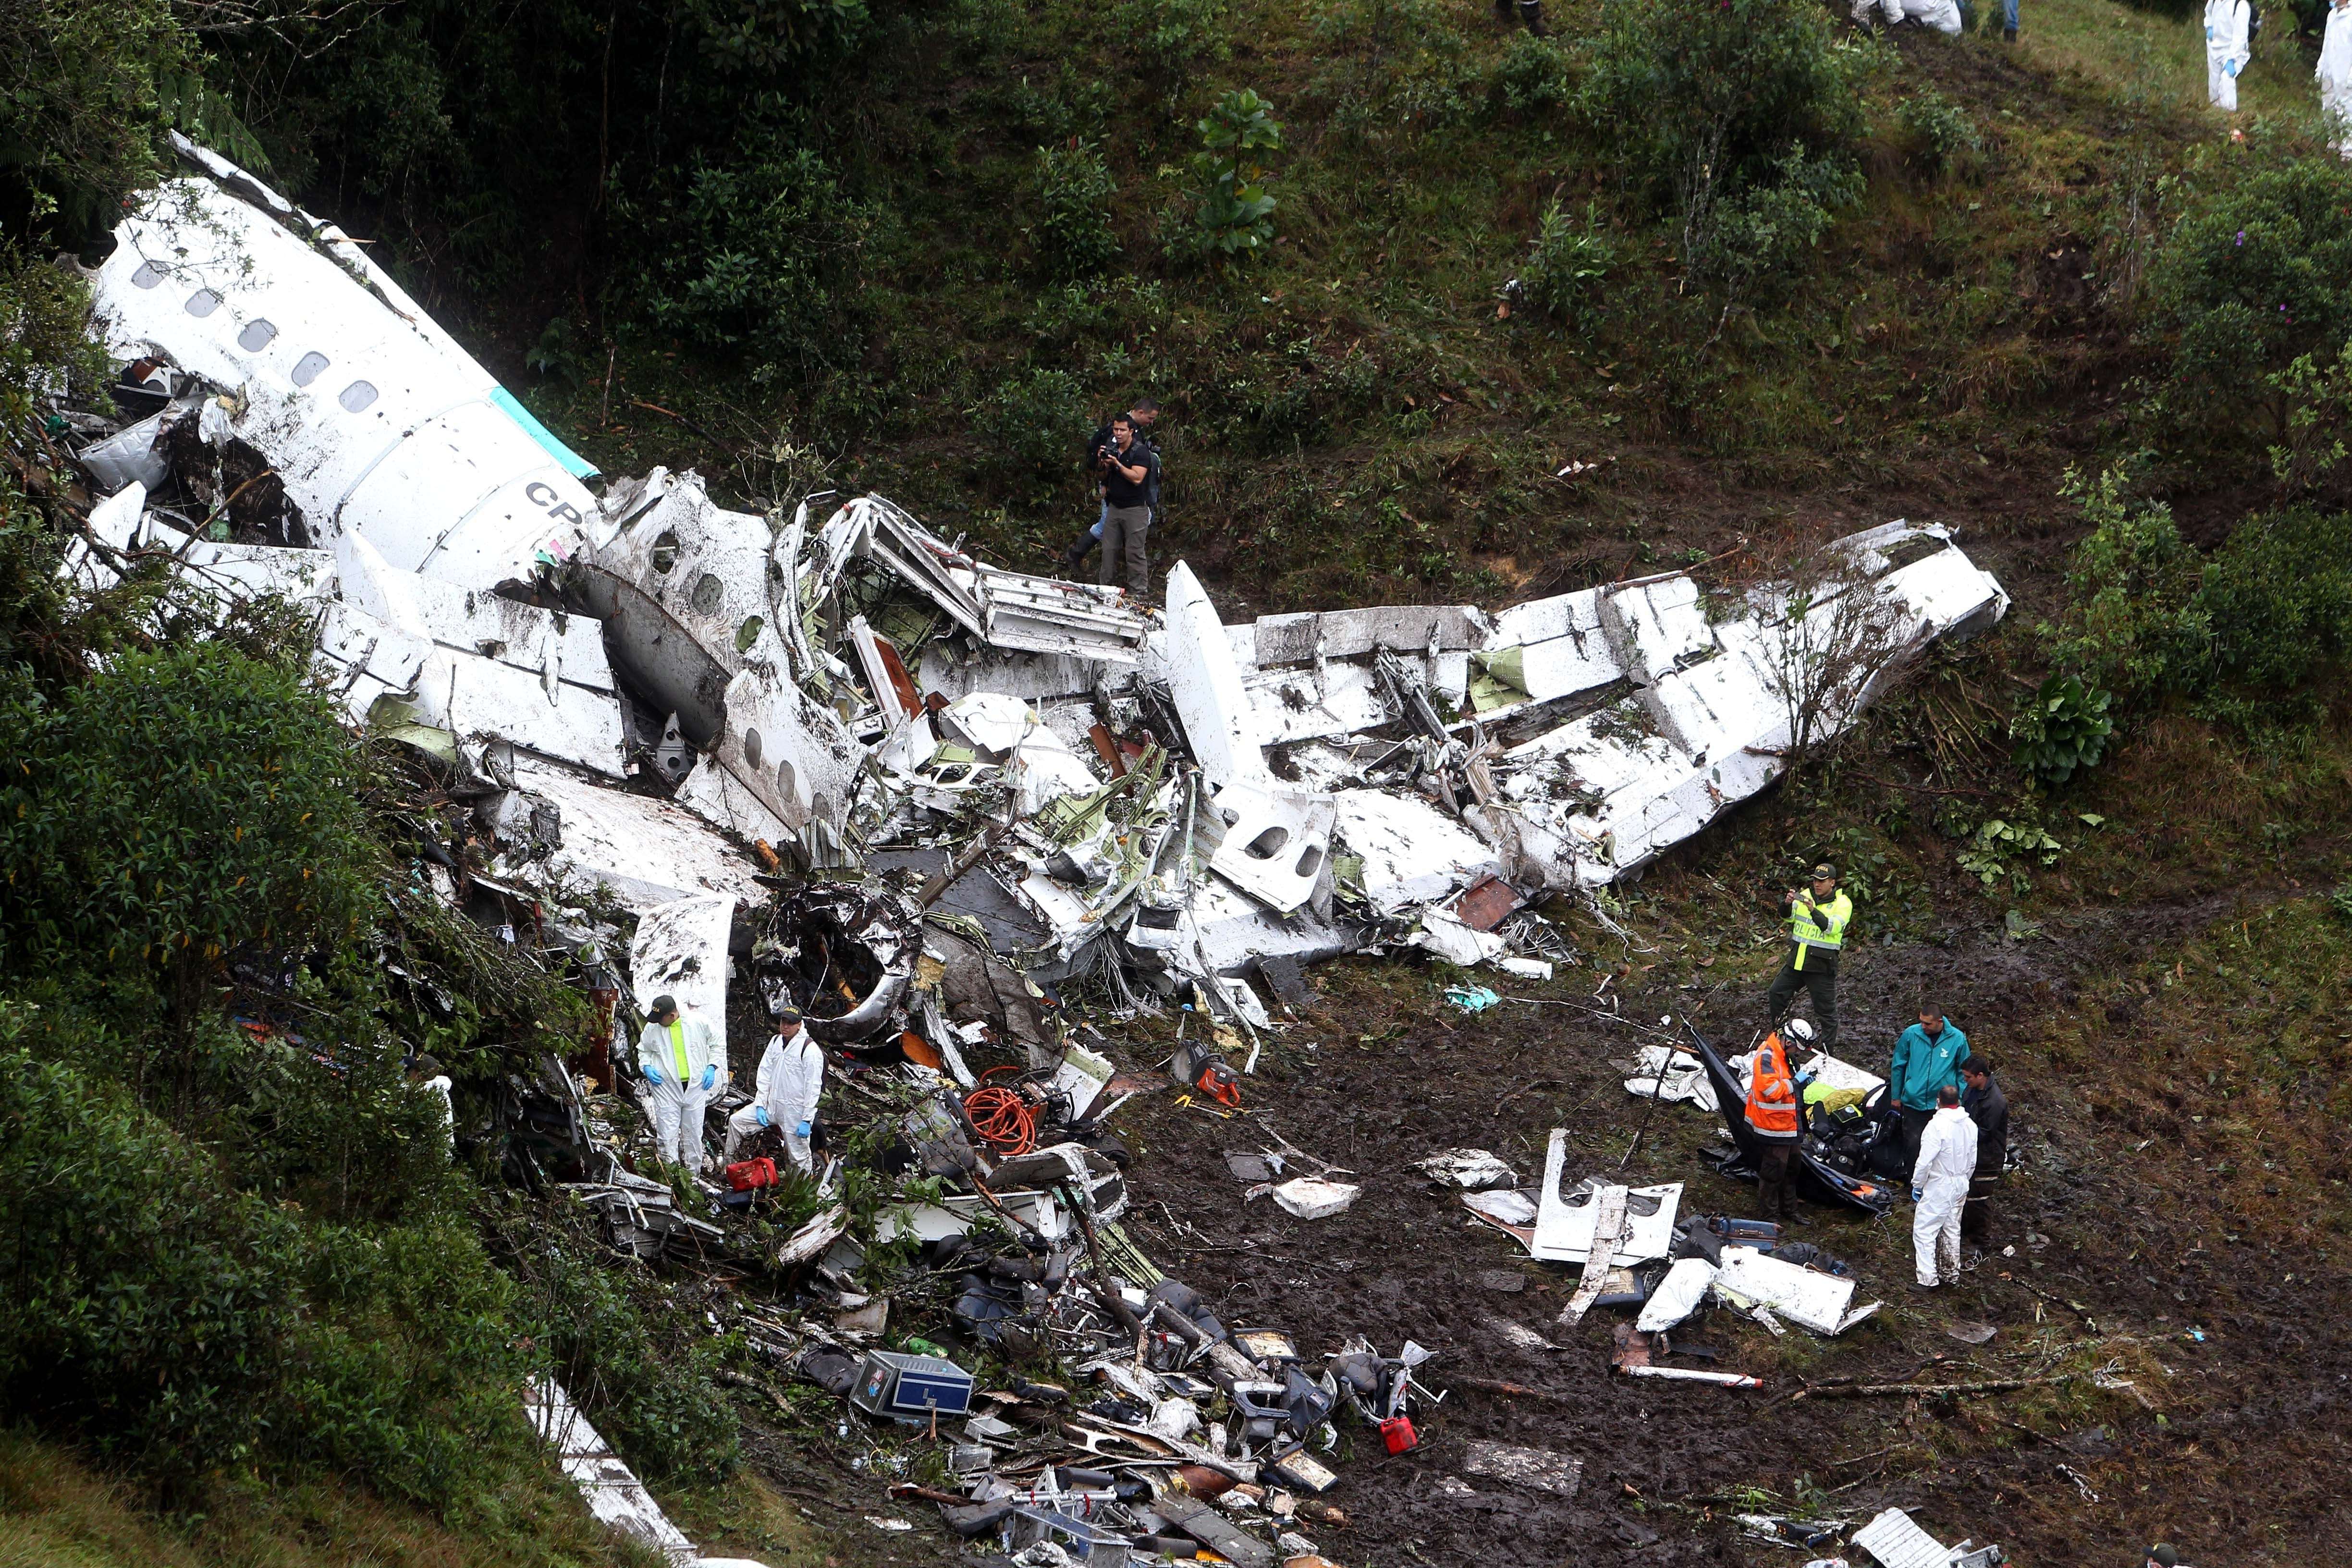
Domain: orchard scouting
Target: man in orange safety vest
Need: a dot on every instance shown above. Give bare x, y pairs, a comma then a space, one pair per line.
1775, 1113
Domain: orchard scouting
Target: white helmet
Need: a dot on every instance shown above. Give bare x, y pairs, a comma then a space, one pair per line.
1798, 1030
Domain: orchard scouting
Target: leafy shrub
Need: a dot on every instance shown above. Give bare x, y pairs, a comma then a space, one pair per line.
1738, 116
2256, 274
2242, 634
2130, 620
1034, 423
1567, 265
1999, 849
79, 114
1758, 233
1389, 64
758, 261
180, 806
1534, 78
2064, 726
1173, 39
1074, 234
1233, 215
1942, 135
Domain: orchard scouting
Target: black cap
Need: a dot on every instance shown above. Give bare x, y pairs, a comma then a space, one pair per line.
1824, 872
787, 1015
2166, 1555
662, 1004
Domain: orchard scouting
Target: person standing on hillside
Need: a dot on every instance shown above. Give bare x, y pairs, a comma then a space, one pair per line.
1130, 474
1939, 1186
678, 1060
1988, 1107
1774, 1115
1141, 414
1817, 922
1927, 1058
2229, 45
790, 1082
2335, 75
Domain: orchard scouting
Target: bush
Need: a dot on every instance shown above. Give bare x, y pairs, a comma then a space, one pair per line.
2256, 274
1233, 215
1942, 135
176, 808
1534, 78
80, 116
2064, 726
759, 261
2242, 636
1172, 39
1567, 265
1739, 116
1034, 424
1074, 235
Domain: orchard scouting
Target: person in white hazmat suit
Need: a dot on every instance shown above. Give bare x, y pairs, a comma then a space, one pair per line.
2229, 45
2335, 75
678, 1059
790, 1080
1940, 1185
1944, 16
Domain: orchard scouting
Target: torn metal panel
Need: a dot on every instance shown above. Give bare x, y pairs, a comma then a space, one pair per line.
1422, 630
1012, 610
362, 663
680, 952
1194, 655
683, 585
1802, 1295
1895, 1540
1655, 626
494, 667
642, 850
377, 422
211, 576
1564, 1222
1275, 843
886, 676
1411, 851
780, 764
611, 1490
1561, 1474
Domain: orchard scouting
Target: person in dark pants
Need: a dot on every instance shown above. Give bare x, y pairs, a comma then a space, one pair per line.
1989, 1108
1140, 416
1129, 467
1927, 1058
1775, 1113
1816, 920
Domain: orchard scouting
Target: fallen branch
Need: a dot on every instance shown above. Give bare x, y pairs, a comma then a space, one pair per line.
1932, 1390
1512, 1390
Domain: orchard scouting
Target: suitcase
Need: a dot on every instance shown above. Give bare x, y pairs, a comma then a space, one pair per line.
902, 1387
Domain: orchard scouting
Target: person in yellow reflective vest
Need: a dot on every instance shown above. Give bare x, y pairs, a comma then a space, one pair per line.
1817, 921
679, 1060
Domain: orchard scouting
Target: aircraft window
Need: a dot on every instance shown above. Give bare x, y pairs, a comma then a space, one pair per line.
309, 368
202, 302
147, 277
357, 395
257, 335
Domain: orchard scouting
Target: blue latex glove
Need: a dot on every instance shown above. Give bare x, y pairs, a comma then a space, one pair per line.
802, 1130
653, 1074
760, 1114
709, 1077
1914, 1193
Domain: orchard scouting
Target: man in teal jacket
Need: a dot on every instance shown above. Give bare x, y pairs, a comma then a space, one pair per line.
1926, 1057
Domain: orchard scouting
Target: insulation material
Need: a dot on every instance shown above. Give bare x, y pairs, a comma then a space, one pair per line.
1679, 1295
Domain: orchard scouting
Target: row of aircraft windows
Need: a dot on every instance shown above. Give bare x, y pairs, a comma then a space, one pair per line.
259, 334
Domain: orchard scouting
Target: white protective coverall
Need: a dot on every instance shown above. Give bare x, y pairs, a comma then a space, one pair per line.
1948, 1158
1944, 16
2229, 45
682, 1072
2335, 75
790, 1082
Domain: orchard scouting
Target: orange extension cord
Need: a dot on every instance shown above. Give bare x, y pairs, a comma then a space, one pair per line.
1003, 1116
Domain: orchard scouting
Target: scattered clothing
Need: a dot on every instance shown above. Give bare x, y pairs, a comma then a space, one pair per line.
1948, 1158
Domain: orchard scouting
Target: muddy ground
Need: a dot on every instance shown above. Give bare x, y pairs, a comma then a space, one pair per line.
2233, 1446
2226, 1443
